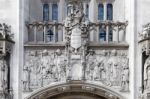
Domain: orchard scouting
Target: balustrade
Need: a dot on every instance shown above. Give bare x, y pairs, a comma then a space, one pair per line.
50, 32
117, 29
48, 29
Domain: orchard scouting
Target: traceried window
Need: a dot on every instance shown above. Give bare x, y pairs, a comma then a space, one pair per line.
109, 12
100, 12
102, 34
55, 12
45, 12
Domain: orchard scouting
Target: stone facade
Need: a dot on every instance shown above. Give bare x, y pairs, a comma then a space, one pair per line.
76, 64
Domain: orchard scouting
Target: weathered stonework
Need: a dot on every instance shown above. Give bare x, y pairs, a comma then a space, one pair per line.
77, 62
145, 45
43, 67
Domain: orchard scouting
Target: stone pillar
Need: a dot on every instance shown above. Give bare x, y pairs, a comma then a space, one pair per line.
54, 31
92, 18
121, 34
35, 33
107, 33
105, 18
61, 17
116, 35
45, 33
105, 11
50, 11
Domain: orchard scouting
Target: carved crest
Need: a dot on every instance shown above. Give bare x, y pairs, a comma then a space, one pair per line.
76, 38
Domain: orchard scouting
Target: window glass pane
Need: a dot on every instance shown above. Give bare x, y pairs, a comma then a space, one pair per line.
110, 34
100, 12
102, 34
50, 35
109, 12
87, 11
54, 12
45, 12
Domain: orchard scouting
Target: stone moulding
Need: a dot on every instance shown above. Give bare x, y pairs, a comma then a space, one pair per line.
74, 86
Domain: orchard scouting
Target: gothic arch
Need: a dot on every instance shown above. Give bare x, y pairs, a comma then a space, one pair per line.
76, 89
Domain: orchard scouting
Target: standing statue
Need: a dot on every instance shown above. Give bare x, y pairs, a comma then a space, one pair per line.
1, 75
147, 73
148, 77
102, 65
102, 71
26, 80
112, 68
125, 79
96, 71
91, 65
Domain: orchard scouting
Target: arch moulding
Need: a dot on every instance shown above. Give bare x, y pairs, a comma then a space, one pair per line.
73, 89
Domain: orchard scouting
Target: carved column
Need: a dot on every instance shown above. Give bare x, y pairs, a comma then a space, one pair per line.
107, 33
117, 33
54, 30
35, 33
45, 31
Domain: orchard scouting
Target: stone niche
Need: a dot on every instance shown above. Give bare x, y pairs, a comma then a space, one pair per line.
144, 43
6, 44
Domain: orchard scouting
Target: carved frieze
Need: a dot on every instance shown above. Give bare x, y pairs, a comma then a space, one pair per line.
44, 67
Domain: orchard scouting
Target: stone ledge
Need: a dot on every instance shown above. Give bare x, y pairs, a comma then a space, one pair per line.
91, 44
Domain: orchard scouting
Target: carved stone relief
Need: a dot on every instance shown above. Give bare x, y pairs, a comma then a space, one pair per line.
44, 67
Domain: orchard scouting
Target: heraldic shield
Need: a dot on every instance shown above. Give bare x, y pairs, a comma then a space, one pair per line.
76, 38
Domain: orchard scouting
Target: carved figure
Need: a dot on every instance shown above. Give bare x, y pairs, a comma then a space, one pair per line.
1, 74
102, 71
112, 67
125, 79
148, 76
147, 73
26, 80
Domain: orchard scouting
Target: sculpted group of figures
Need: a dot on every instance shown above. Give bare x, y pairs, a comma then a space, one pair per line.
45, 67
111, 68
42, 68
